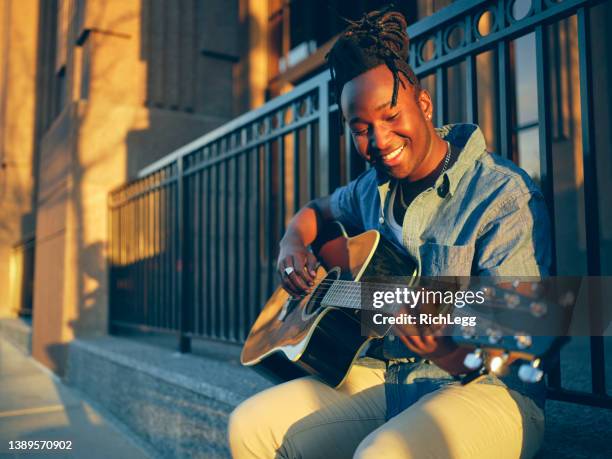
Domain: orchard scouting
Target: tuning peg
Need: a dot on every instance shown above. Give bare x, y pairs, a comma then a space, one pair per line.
468, 332
523, 341
488, 291
538, 308
512, 300
494, 335
497, 363
530, 372
473, 360
537, 288
567, 299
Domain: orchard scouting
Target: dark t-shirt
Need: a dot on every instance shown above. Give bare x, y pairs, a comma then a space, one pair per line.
407, 190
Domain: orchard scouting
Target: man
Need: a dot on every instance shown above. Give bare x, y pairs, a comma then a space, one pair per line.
456, 210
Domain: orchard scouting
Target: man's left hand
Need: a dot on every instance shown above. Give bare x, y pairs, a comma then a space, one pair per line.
429, 346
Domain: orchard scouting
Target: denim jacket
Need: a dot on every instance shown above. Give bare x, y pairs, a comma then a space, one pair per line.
484, 217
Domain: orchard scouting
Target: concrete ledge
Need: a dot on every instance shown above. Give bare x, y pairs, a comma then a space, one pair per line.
18, 332
178, 403
578, 431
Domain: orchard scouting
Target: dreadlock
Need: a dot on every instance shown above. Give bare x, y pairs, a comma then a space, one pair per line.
379, 37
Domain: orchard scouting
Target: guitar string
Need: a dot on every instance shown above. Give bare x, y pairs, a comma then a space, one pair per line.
492, 305
480, 326
356, 295
459, 312
350, 283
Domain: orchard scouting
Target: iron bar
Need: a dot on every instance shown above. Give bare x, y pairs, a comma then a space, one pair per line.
182, 296
471, 90
591, 205
504, 101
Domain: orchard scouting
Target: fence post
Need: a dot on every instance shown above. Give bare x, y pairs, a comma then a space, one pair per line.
323, 160
184, 343
591, 198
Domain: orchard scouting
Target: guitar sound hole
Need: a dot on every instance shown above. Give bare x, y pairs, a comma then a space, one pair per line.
314, 304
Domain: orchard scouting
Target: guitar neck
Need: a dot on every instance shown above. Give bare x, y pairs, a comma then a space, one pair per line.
349, 294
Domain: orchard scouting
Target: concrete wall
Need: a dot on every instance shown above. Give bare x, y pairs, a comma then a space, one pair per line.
140, 79
18, 55
110, 129
251, 71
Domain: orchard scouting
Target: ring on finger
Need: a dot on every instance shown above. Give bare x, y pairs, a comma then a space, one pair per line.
288, 270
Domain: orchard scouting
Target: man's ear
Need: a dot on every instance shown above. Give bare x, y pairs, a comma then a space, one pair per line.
425, 104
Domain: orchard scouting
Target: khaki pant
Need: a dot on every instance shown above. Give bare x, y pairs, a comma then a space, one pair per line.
307, 419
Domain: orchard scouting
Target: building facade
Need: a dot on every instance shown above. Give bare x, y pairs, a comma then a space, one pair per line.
92, 92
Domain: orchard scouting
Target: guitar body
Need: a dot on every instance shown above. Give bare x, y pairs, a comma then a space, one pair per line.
293, 338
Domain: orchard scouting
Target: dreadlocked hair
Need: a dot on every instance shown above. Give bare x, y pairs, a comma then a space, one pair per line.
379, 37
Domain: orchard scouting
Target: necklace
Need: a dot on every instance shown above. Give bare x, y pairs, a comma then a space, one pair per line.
444, 166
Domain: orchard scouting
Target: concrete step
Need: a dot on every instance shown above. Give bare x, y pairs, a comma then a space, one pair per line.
178, 403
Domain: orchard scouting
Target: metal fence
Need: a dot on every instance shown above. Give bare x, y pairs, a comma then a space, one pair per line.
193, 242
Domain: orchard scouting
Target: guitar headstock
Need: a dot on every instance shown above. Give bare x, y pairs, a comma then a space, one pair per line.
535, 353
520, 320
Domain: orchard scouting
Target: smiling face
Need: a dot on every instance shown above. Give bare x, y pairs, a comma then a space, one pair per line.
399, 140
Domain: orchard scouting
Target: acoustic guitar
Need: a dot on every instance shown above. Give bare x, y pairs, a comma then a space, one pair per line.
323, 333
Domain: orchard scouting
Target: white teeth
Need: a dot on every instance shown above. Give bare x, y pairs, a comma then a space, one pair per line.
393, 154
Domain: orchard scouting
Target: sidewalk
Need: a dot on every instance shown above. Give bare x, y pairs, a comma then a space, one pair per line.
35, 405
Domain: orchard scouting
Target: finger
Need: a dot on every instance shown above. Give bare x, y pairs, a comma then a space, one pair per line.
286, 281
302, 274
297, 279
291, 290
424, 332
417, 341
291, 286
281, 265
429, 342
312, 264
296, 283
424, 344
408, 343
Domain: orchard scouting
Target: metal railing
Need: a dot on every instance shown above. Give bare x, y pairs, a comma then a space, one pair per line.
215, 213
193, 241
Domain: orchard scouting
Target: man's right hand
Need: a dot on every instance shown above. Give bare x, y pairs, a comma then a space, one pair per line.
297, 268
296, 264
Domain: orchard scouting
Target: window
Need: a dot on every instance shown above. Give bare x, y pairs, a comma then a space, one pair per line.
59, 91
300, 33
